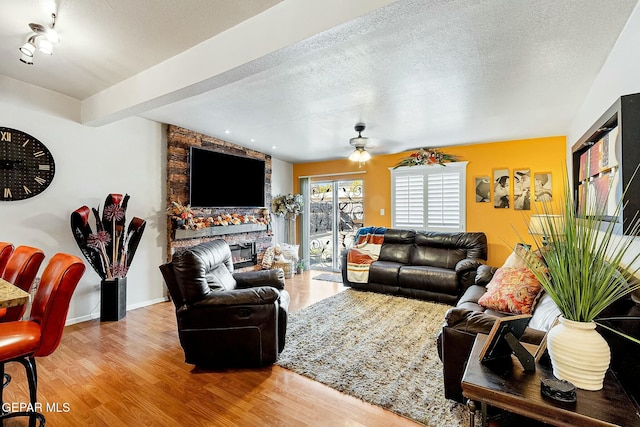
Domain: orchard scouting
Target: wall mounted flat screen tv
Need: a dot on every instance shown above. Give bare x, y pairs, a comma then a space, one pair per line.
223, 180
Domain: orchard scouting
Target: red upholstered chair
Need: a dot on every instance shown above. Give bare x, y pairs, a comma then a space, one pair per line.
6, 249
24, 340
21, 270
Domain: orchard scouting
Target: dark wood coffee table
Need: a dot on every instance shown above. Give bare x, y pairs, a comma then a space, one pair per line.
507, 386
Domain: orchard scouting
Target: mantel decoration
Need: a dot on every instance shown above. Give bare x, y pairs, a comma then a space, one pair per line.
427, 156
110, 249
184, 217
589, 267
288, 206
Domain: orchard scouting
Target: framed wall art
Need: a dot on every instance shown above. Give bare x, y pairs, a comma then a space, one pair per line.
522, 189
542, 187
501, 190
483, 189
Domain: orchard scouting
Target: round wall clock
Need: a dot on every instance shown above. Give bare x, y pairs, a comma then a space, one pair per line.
26, 165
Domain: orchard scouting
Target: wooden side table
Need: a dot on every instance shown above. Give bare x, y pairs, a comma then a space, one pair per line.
510, 388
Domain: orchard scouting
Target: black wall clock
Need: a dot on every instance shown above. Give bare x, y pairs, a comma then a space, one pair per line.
26, 165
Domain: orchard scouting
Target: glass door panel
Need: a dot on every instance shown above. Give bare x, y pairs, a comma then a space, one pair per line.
336, 213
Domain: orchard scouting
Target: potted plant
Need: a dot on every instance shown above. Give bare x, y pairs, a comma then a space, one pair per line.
589, 266
300, 266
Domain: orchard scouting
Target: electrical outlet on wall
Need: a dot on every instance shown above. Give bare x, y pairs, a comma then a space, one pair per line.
382, 212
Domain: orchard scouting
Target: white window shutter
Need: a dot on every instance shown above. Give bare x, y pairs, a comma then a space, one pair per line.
429, 198
409, 201
443, 200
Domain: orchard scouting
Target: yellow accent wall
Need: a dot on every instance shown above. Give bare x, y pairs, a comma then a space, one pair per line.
502, 226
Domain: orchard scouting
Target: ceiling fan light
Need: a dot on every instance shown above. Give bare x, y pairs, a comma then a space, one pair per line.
364, 156
355, 156
27, 59
45, 46
52, 36
28, 48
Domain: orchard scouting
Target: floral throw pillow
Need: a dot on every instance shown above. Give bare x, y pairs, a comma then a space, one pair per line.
512, 290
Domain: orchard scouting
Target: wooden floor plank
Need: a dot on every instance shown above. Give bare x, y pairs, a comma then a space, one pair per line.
132, 372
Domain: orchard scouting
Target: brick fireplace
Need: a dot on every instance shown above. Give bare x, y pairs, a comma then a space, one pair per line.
179, 140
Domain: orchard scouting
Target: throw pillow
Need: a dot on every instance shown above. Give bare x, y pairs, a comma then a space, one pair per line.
545, 314
290, 252
511, 290
267, 259
521, 257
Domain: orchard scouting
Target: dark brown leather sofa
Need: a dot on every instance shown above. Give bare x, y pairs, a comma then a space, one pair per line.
468, 318
426, 265
226, 319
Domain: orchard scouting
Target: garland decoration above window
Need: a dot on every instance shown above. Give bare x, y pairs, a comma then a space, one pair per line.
427, 156
287, 205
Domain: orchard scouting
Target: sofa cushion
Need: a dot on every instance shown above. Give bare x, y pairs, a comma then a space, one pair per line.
397, 245
434, 279
385, 272
437, 257
220, 279
475, 244
512, 290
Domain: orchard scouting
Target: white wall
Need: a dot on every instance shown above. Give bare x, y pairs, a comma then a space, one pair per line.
281, 183
620, 75
125, 157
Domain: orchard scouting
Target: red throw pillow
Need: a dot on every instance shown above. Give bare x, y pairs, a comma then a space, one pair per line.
511, 290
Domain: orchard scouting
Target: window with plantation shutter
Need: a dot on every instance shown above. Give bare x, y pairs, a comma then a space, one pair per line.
430, 197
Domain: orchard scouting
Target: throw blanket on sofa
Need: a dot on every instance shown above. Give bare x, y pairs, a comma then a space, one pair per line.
366, 249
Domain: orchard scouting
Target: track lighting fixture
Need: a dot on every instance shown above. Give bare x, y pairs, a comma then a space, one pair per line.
43, 40
360, 154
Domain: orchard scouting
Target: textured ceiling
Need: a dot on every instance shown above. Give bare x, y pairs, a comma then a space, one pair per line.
417, 72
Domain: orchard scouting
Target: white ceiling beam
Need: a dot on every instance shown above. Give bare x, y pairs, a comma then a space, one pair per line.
225, 58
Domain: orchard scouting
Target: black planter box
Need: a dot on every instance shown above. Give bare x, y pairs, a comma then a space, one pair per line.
113, 299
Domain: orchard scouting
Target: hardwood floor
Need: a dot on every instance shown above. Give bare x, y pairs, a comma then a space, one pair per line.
132, 373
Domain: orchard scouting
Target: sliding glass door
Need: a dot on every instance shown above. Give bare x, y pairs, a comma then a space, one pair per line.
336, 212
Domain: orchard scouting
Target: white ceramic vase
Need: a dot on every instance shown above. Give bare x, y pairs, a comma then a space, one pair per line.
578, 354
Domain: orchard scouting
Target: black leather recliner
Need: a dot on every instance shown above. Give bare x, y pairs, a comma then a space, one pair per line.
226, 319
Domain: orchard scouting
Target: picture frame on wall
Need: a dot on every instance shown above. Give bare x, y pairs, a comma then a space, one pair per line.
483, 189
501, 189
522, 189
543, 191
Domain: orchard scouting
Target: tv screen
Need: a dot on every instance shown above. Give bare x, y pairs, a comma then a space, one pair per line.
224, 180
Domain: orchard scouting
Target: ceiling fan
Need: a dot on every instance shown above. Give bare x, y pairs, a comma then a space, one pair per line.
360, 154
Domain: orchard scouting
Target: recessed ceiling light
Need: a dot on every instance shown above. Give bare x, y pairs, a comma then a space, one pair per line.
273, 147
252, 140
227, 131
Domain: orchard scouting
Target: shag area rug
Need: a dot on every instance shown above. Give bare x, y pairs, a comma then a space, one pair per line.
329, 277
378, 348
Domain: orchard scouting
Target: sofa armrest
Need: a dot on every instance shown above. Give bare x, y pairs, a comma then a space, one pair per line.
466, 265
251, 296
469, 320
252, 279
484, 274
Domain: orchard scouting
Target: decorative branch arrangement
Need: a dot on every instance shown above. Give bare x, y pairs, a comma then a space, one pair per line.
427, 156
288, 205
110, 249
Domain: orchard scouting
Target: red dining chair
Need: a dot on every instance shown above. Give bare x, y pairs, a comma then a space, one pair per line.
6, 249
21, 270
24, 340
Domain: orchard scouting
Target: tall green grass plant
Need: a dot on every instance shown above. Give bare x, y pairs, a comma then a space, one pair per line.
590, 264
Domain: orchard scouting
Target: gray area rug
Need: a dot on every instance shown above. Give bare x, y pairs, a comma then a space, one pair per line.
378, 348
329, 277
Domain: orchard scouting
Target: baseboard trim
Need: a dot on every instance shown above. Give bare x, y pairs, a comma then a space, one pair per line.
129, 307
